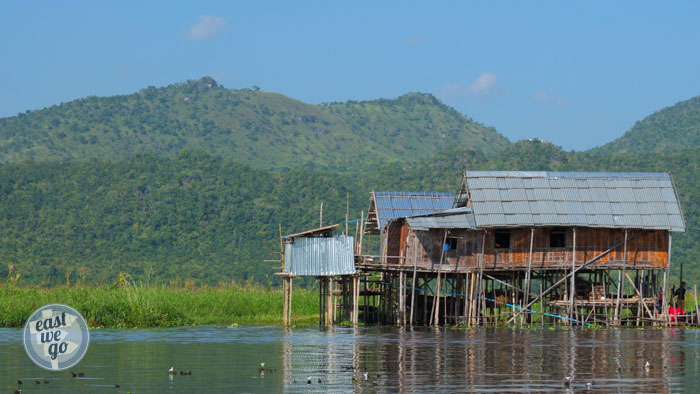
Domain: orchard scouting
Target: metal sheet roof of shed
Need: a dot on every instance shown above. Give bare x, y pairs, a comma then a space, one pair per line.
394, 205
453, 218
589, 199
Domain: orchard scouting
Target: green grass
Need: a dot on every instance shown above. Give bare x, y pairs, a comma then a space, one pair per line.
160, 306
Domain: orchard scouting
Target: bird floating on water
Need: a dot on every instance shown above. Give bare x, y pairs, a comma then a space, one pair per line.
308, 380
116, 386
319, 380
647, 365
171, 371
262, 368
589, 385
19, 382
186, 372
366, 375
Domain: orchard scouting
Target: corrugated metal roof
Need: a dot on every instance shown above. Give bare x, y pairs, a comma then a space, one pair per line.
454, 218
320, 256
591, 199
394, 205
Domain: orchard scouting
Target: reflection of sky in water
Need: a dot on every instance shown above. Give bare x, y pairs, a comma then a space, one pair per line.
421, 360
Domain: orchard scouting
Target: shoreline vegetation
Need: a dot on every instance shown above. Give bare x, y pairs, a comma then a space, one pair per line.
132, 306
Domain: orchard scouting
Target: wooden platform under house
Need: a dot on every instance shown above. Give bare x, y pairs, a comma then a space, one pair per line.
510, 247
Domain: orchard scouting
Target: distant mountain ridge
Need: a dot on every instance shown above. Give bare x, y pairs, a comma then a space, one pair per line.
265, 130
673, 128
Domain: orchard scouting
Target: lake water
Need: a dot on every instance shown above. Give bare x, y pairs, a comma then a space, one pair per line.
446, 360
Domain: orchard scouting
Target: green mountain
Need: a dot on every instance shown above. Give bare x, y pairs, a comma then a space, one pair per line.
192, 180
265, 130
200, 217
673, 128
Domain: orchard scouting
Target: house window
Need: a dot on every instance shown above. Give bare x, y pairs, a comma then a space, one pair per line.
557, 238
502, 239
450, 244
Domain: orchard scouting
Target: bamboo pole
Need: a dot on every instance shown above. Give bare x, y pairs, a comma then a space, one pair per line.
572, 300
640, 294
480, 280
471, 298
289, 308
529, 271
541, 307
355, 240
621, 287
695, 292
466, 295
562, 280
362, 231
284, 301
667, 278
413, 285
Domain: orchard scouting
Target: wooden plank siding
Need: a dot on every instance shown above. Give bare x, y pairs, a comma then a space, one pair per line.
645, 249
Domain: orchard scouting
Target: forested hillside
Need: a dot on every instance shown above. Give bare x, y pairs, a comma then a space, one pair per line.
202, 217
191, 181
264, 130
673, 128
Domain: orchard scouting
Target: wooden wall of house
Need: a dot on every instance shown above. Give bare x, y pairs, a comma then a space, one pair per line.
645, 248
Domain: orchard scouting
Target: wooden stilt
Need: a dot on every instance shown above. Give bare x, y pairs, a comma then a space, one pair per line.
529, 271
471, 298
572, 299
541, 308
621, 283
667, 277
285, 295
413, 289
562, 280
695, 293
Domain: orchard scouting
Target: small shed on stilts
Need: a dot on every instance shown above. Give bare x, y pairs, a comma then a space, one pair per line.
329, 258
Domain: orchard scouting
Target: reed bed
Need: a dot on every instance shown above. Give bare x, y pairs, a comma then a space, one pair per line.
160, 306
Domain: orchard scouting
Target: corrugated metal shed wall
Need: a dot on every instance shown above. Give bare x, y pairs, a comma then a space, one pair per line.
319, 256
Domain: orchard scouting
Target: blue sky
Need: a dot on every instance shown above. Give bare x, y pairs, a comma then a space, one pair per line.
576, 74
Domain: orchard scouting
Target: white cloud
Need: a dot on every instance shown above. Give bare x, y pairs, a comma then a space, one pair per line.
540, 96
543, 97
483, 85
207, 26
415, 41
561, 102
